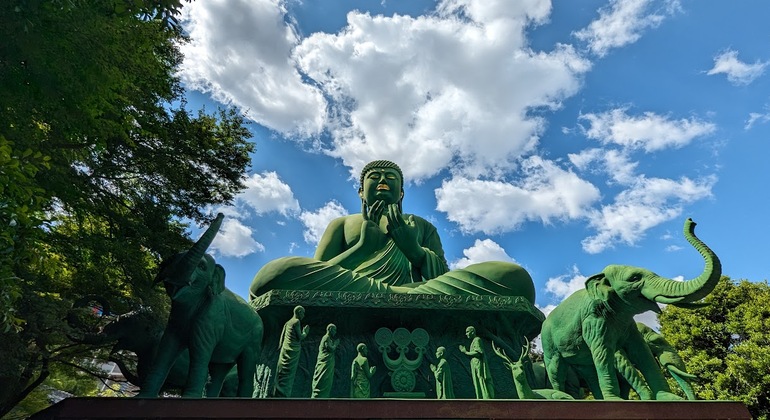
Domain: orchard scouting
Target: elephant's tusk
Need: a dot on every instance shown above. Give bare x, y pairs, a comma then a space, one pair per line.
668, 300
685, 375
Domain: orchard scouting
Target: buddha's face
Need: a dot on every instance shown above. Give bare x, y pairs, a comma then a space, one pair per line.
382, 184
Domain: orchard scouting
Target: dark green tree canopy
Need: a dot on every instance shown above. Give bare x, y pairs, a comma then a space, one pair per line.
727, 343
101, 162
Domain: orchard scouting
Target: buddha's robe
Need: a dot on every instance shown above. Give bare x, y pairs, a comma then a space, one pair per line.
387, 270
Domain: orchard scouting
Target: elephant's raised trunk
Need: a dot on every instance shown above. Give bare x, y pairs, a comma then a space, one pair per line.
675, 292
180, 270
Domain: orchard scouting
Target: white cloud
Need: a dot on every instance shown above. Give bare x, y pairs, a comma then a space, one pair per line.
452, 89
240, 53
738, 72
613, 162
235, 240
649, 319
650, 132
622, 23
546, 192
482, 250
266, 193
489, 12
755, 117
674, 248
547, 309
565, 285
647, 203
316, 222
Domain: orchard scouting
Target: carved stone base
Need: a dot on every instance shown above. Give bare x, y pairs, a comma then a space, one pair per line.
505, 319
135, 408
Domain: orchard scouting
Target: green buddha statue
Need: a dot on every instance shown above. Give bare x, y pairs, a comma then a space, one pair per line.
383, 250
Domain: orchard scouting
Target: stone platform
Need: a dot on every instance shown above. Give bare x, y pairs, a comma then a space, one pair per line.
136, 408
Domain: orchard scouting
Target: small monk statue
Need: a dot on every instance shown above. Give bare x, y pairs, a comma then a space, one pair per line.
361, 373
383, 250
443, 374
289, 351
323, 375
482, 378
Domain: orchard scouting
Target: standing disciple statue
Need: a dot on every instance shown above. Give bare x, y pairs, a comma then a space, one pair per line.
289, 350
323, 375
444, 387
360, 374
383, 250
482, 379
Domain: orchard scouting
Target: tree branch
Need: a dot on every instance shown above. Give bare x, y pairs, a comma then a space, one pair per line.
44, 372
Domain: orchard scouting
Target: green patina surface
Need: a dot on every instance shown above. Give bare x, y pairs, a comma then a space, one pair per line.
396, 301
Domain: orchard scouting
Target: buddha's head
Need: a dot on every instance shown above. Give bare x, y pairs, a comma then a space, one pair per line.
381, 180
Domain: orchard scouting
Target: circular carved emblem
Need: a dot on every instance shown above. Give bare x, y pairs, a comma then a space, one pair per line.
420, 337
383, 337
403, 380
402, 337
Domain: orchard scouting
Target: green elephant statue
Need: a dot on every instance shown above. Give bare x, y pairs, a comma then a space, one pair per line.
139, 332
587, 329
667, 358
218, 328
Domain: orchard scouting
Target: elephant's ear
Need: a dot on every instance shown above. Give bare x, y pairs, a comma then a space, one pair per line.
600, 291
217, 285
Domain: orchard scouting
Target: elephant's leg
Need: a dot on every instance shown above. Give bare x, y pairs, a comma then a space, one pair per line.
198, 374
541, 377
631, 376
201, 349
218, 372
247, 367
640, 356
170, 347
572, 384
599, 337
557, 371
588, 373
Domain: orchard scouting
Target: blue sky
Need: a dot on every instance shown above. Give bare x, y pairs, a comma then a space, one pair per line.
564, 136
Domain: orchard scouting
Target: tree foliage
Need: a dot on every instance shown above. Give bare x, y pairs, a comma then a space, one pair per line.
727, 343
100, 162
